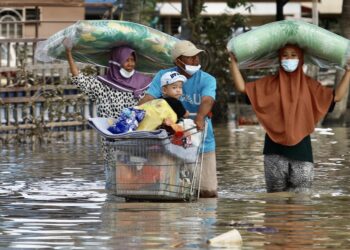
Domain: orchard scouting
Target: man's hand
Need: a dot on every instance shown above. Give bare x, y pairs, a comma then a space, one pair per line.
200, 122
145, 99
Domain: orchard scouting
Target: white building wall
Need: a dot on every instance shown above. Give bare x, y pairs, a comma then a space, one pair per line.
214, 9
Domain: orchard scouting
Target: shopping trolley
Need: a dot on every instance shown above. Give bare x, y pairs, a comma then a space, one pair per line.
152, 167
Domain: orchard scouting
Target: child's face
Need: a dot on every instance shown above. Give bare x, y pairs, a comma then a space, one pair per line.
173, 90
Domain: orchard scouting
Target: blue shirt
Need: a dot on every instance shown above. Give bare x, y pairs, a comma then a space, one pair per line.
197, 86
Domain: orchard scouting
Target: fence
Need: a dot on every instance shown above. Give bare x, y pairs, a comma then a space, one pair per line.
35, 94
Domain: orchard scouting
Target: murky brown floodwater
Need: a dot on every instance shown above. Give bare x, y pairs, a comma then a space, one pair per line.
52, 197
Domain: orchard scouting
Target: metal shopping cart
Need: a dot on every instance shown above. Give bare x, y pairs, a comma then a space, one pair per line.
153, 168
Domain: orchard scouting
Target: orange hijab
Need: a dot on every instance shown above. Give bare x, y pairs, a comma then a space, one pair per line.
289, 105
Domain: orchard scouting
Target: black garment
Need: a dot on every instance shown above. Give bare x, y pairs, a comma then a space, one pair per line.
301, 151
177, 106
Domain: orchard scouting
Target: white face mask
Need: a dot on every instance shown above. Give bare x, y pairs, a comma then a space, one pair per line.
190, 69
125, 73
290, 65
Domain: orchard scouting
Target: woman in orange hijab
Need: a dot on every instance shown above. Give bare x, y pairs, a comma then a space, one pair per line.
288, 105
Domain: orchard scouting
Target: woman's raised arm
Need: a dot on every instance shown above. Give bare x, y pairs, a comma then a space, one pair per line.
343, 85
67, 43
237, 77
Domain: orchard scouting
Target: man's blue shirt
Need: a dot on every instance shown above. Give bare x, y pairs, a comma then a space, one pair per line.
199, 85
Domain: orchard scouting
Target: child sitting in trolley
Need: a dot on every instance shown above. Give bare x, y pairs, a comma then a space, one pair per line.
158, 113
171, 83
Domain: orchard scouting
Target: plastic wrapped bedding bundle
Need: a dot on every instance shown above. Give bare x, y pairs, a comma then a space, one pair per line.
94, 39
259, 47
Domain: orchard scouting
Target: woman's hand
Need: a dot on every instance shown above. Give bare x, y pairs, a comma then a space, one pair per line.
67, 43
347, 66
232, 57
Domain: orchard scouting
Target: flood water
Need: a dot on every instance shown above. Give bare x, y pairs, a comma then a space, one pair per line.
53, 197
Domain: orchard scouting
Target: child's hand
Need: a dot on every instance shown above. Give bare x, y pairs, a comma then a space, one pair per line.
167, 122
187, 114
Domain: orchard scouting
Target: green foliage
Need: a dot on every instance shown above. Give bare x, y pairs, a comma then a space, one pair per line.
212, 34
149, 16
236, 3
215, 33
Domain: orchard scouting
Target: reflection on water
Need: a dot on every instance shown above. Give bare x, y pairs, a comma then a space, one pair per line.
53, 197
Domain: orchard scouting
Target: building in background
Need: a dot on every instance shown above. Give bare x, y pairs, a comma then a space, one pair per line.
38, 18
258, 12
329, 12
102, 9
42, 18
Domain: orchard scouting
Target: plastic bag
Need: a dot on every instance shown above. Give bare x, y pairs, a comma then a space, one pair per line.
191, 128
128, 121
259, 47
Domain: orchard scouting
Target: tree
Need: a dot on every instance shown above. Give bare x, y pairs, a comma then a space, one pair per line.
279, 9
191, 19
132, 10
338, 115
212, 34
344, 20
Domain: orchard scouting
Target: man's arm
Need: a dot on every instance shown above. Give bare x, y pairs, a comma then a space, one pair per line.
204, 108
154, 90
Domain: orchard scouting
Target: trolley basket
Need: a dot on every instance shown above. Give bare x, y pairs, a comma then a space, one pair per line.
149, 168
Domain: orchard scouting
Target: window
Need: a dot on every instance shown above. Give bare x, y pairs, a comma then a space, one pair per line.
10, 23
32, 14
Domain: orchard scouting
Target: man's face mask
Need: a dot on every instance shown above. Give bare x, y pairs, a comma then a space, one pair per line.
190, 69
289, 65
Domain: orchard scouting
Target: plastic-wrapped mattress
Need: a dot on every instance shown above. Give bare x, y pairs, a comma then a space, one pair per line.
93, 40
258, 48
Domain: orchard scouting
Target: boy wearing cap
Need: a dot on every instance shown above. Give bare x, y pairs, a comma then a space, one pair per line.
198, 97
171, 83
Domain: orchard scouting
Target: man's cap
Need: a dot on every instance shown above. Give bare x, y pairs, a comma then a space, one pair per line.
171, 77
184, 48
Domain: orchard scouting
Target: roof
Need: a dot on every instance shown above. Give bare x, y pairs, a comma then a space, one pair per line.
56, 3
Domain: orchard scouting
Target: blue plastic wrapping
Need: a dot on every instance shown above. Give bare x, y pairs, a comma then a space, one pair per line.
128, 121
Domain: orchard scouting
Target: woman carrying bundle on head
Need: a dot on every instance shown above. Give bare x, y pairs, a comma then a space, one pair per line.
120, 88
288, 105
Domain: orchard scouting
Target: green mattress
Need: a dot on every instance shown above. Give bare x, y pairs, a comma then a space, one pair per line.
258, 48
93, 40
